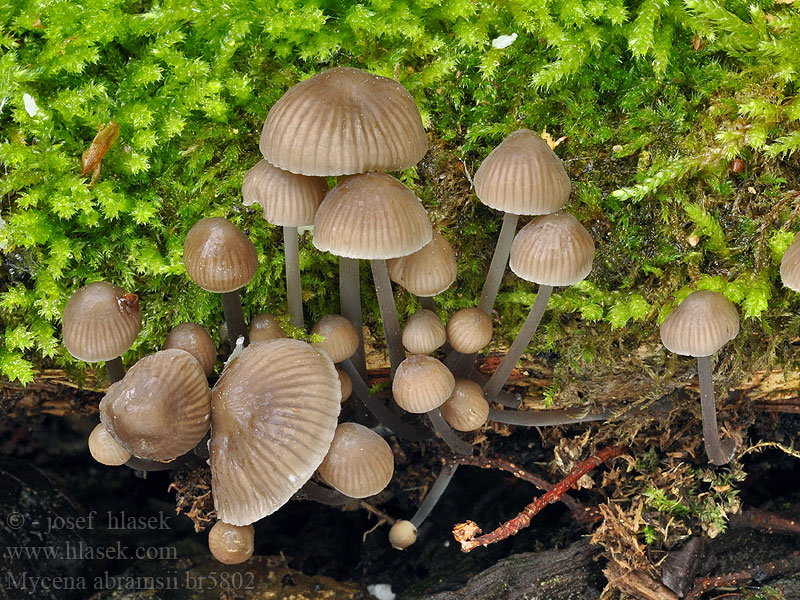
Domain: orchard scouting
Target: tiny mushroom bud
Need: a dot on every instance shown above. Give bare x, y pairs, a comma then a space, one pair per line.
359, 463
790, 266
469, 330
346, 383
422, 383
466, 409
402, 535
196, 341
231, 544
424, 332
428, 271
105, 449
341, 338
265, 327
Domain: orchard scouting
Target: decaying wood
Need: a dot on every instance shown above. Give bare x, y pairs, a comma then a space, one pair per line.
758, 573
636, 583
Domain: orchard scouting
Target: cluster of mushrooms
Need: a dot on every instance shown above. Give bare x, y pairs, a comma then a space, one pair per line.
273, 413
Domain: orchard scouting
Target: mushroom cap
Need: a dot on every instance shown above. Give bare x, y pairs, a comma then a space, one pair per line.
345, 382
274, 413
100, 322
162, 407
218, 257
371, 216
196, 341
287, 199
523, 176
469, 330
466, 409
422, 383
359, 463
428, 271
341, 338
105, 449
553, 250
231, 544
702, 324
265, 327
790, 266
424, 332
344, 121
402, 534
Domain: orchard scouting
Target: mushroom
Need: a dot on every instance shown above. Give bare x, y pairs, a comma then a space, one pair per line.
790, 266
402, 535
468, 330
265, 327
466, 409
196, 341
231, 544
424, 332
703, 323
105, 449
427, 272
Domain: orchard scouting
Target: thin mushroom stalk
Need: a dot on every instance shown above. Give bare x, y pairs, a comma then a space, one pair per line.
391, 323
350, 306
717, 453
498, 265
294, 294
447, 434
234, 317
434, 493
115, 370
543, 418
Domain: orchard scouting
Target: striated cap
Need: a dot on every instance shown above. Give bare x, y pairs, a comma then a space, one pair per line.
265, 327
161, 408
101, 322
218, 257
341, 338
469, 330
553, 250
359, 464
466, 409
345, 382
523, 176
428, 271
702, 324
196, 341
344, 121
274, 411
287, 199
422, 383
105, 449
231, 544
424, 332
790, 266
371, 216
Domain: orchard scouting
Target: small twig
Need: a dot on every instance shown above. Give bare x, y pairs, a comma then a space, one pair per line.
761, 445
788, 564
755, 518
465, 532
377, 512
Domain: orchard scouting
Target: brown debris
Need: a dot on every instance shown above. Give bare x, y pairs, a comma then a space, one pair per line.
637, 583
193, 496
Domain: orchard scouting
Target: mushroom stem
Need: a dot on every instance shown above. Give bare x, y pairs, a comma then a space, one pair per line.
525, 335
503, 398
714, 450
434, 493
453, 360
379, 410
542, 418
499, 261
391, 324
427, 303
294, 294
115, 370
350, 306
323, 495
447, 434
234, 318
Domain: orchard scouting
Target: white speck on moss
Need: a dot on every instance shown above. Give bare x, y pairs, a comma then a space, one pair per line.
381, 591
503, 41
30, 105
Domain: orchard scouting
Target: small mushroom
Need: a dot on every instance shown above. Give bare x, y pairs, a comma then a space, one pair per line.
466, 409
196, 341
468, 331
359, 463
231, 544
428, 271
790, 266
402, 535
265, 327
424, 332
105, 449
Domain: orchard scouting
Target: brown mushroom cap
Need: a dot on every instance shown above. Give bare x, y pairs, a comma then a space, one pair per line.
105, 449
341, 338
371, 216
101, 322
428, 271
702, 324
424, 332
466, 409
790, 266
231, 544
345, 382
359, 463
553, 250
402, 534
469, 330
161, 408
265, 327
422, 383
523, 176
218, 257
344, 121
196, 341
287, 199
274, 416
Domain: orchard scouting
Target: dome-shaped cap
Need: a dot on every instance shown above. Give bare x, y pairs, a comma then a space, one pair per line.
274, 415
702, 324
523, 176
359, 463
265, 327
371, 216
553, 249
196, 341
344, 121
469, 330
231, 544
428, 271
105, 449
422, 383
466, 409
161, 408
424, 332
287, 199
341, 338
218, 257
101, 322
790, 266
345, 382
402, 534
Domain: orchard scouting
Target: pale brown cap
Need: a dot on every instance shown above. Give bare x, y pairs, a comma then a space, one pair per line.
371, 216
161, 408
702, 324
105, 449
422, 383
424, 332
274, 410
402, 534
344, 121
101, 322
523, 176
341, 338
553, 250
196, 341
469, 330
790, 266
345, 382
359, 463
428, 271
218, 257
231, 544
265, 327
466, 409
287, 199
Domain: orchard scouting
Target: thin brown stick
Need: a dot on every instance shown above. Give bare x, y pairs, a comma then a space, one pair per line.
788, 564
465, 532
755, 518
